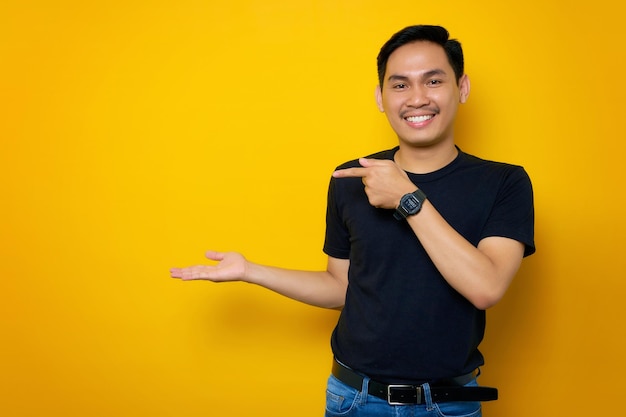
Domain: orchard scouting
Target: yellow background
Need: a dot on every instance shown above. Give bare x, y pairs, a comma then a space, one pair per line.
137, 134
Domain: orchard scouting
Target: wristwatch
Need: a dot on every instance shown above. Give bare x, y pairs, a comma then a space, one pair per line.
410, 204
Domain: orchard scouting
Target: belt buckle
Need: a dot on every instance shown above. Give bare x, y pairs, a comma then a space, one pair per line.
397, 394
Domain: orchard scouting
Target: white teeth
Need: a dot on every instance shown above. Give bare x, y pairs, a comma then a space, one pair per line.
419, 119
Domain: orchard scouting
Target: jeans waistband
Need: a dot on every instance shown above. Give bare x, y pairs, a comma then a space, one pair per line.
452, 389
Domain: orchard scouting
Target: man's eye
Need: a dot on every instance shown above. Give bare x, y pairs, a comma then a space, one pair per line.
433, 82
399, 86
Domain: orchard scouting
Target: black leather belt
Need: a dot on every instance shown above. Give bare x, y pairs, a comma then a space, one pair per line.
398, 394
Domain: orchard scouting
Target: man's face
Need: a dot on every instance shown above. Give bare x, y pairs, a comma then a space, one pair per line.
420, 95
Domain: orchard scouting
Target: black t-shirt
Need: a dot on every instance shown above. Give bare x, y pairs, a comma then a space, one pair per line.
402, 322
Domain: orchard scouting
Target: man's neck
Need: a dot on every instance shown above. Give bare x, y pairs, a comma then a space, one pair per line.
424, 160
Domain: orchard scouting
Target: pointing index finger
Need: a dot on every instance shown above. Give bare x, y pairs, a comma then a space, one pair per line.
357, 171
350, 173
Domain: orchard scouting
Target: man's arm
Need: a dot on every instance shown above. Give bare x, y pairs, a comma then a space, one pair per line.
481, 274
319, 288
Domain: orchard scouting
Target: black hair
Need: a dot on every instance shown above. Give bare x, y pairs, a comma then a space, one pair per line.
435, 34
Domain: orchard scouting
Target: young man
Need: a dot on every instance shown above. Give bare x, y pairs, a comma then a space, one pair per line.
421, 240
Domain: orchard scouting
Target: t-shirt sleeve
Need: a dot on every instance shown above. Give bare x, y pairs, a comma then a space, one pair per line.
513, 214
337, 240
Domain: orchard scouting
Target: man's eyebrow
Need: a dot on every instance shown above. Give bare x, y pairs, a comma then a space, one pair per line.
395, 77
434, 72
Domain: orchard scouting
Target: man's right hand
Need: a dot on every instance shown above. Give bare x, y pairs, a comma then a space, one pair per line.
231, 266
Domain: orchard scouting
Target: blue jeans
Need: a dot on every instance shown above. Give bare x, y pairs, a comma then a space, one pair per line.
345, 401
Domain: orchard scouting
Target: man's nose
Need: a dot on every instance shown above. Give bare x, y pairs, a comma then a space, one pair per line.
418, 96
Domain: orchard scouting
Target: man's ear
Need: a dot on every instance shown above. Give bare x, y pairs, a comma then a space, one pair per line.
379, 99
464, 88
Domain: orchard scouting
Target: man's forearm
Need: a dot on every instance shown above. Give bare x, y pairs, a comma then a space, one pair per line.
318, 288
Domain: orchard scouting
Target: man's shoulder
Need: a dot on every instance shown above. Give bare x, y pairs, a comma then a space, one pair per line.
475, 161
498, 174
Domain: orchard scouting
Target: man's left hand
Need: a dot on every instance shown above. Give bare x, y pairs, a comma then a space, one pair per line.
385, 182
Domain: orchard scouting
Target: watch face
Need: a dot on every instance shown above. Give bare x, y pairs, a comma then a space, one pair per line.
411, 204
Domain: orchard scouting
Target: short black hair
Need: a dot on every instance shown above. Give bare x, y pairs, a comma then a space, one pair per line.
429, 33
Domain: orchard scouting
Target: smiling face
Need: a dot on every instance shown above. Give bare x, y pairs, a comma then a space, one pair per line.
420, 95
